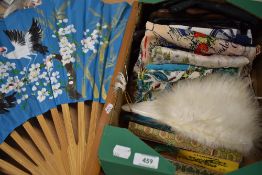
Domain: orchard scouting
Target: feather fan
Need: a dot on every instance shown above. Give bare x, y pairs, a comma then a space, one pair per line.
218, 111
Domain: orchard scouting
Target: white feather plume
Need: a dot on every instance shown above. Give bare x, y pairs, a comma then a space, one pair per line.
218, 111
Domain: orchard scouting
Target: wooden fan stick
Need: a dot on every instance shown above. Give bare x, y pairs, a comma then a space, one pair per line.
61, 133
19, 158
95, 113
30, 151
48, 134
81, 116
27, 148
53, 144
10, 169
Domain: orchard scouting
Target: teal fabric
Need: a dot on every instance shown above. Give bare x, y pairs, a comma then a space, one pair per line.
168, 67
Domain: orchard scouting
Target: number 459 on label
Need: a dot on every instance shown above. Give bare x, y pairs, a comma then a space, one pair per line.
146, 160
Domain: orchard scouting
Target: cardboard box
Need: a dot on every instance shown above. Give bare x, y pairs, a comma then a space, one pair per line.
116, 97
123, 153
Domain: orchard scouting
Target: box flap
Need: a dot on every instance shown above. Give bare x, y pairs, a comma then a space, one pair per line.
113, 136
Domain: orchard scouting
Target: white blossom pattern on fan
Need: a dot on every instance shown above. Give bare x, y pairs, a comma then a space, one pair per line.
42, 94
89, 43
67, 47
44, 82
4, 68
12, 84
34, 72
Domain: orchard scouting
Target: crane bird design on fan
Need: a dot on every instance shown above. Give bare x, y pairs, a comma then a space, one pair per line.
25, 43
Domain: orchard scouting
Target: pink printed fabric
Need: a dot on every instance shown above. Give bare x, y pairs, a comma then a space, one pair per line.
197, 42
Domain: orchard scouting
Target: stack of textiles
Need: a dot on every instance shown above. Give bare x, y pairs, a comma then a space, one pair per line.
171, 53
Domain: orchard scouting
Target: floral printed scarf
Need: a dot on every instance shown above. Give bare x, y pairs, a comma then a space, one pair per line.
197, 42
162, 55
150, 82
232, 35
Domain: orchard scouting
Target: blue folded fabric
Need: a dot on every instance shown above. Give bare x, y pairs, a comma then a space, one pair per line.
168, 67
238, 38
61, 51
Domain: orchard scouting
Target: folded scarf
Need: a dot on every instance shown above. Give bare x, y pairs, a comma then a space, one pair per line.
150, 82
153, 39
232, 35
199, 42
150, 41
163, 55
